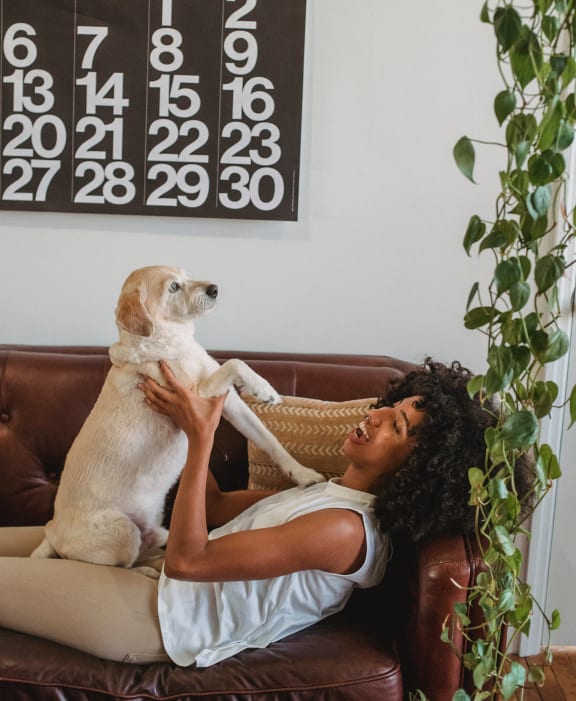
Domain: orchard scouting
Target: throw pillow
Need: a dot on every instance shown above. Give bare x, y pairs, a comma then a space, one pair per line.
311, 430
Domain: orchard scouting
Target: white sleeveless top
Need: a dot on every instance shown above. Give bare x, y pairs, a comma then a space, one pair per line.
205, 622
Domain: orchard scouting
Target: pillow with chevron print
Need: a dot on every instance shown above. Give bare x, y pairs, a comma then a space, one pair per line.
311, 430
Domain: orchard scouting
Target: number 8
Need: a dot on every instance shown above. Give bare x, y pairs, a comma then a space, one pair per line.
169, 47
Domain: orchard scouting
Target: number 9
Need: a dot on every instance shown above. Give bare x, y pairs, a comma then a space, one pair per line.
249, 54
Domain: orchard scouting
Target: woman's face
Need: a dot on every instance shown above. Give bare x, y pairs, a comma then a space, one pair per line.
384, 440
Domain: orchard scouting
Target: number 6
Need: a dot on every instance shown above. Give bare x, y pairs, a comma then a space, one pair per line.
12, 42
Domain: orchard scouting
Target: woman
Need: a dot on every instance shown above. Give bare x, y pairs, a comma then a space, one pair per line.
276, 563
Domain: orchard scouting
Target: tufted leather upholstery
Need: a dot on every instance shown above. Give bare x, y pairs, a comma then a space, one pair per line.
384, 643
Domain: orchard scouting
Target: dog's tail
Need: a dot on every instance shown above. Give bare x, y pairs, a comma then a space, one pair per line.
44, 550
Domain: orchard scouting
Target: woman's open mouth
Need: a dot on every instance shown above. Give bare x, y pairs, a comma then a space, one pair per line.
360, 433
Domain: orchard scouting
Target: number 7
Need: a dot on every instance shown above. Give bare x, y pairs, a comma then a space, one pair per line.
51, 167
99, 33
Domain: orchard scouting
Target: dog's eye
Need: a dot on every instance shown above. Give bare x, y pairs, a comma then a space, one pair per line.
174, 287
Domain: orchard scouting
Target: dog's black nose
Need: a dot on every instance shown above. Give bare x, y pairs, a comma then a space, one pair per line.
212, 291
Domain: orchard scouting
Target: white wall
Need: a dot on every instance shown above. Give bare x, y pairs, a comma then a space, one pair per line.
375, 264
562, 574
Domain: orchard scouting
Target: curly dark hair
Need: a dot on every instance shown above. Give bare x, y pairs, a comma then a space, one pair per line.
429, 494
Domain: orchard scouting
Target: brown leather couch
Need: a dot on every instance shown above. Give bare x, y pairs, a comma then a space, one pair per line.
384, 644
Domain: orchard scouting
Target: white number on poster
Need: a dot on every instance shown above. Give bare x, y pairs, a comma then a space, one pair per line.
166, 107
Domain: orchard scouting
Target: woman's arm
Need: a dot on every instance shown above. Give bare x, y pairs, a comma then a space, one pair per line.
222, 507
330, 539
198, 417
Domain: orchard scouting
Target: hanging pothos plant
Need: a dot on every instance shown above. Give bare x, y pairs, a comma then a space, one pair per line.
528, 235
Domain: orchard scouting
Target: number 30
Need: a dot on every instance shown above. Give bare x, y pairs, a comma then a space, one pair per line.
248, 188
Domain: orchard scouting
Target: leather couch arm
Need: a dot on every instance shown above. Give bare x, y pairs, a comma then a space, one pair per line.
429, 580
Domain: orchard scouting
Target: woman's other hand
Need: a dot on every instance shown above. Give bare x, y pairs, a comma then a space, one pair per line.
197, 416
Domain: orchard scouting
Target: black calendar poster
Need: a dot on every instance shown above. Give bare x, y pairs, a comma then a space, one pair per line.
164, 107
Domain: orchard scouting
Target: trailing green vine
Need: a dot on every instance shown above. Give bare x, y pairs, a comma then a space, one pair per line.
529, 236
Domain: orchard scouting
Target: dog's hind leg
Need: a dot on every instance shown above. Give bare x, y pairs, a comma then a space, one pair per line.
250, 426
153, 537
106, 537
44, 550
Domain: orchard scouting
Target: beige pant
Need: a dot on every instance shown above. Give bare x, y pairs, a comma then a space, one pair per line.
109, 612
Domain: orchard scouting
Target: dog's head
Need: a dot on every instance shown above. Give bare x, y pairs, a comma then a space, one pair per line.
159, 294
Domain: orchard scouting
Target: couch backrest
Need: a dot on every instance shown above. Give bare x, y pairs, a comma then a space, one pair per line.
46, 394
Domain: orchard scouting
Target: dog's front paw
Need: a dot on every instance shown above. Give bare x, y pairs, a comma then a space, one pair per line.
272, 398
305, 476
264, 392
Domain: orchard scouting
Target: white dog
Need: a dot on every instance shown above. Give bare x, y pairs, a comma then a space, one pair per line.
110, 502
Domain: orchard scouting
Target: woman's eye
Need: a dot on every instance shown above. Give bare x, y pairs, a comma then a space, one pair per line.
174, 287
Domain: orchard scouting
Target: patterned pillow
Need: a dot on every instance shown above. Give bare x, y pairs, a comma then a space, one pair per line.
311, 430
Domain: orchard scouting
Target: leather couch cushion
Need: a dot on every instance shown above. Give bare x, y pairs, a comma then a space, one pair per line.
338, 659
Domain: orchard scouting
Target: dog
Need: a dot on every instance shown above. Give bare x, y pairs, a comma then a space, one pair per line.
109, 505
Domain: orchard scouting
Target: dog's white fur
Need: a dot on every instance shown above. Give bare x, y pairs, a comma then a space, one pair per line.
109, 505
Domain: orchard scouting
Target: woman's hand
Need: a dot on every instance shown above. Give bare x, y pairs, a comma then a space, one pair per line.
197, 416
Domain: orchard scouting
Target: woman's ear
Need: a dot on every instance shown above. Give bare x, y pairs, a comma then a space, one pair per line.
132, 315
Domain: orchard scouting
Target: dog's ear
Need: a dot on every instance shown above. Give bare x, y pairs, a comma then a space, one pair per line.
132, 315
